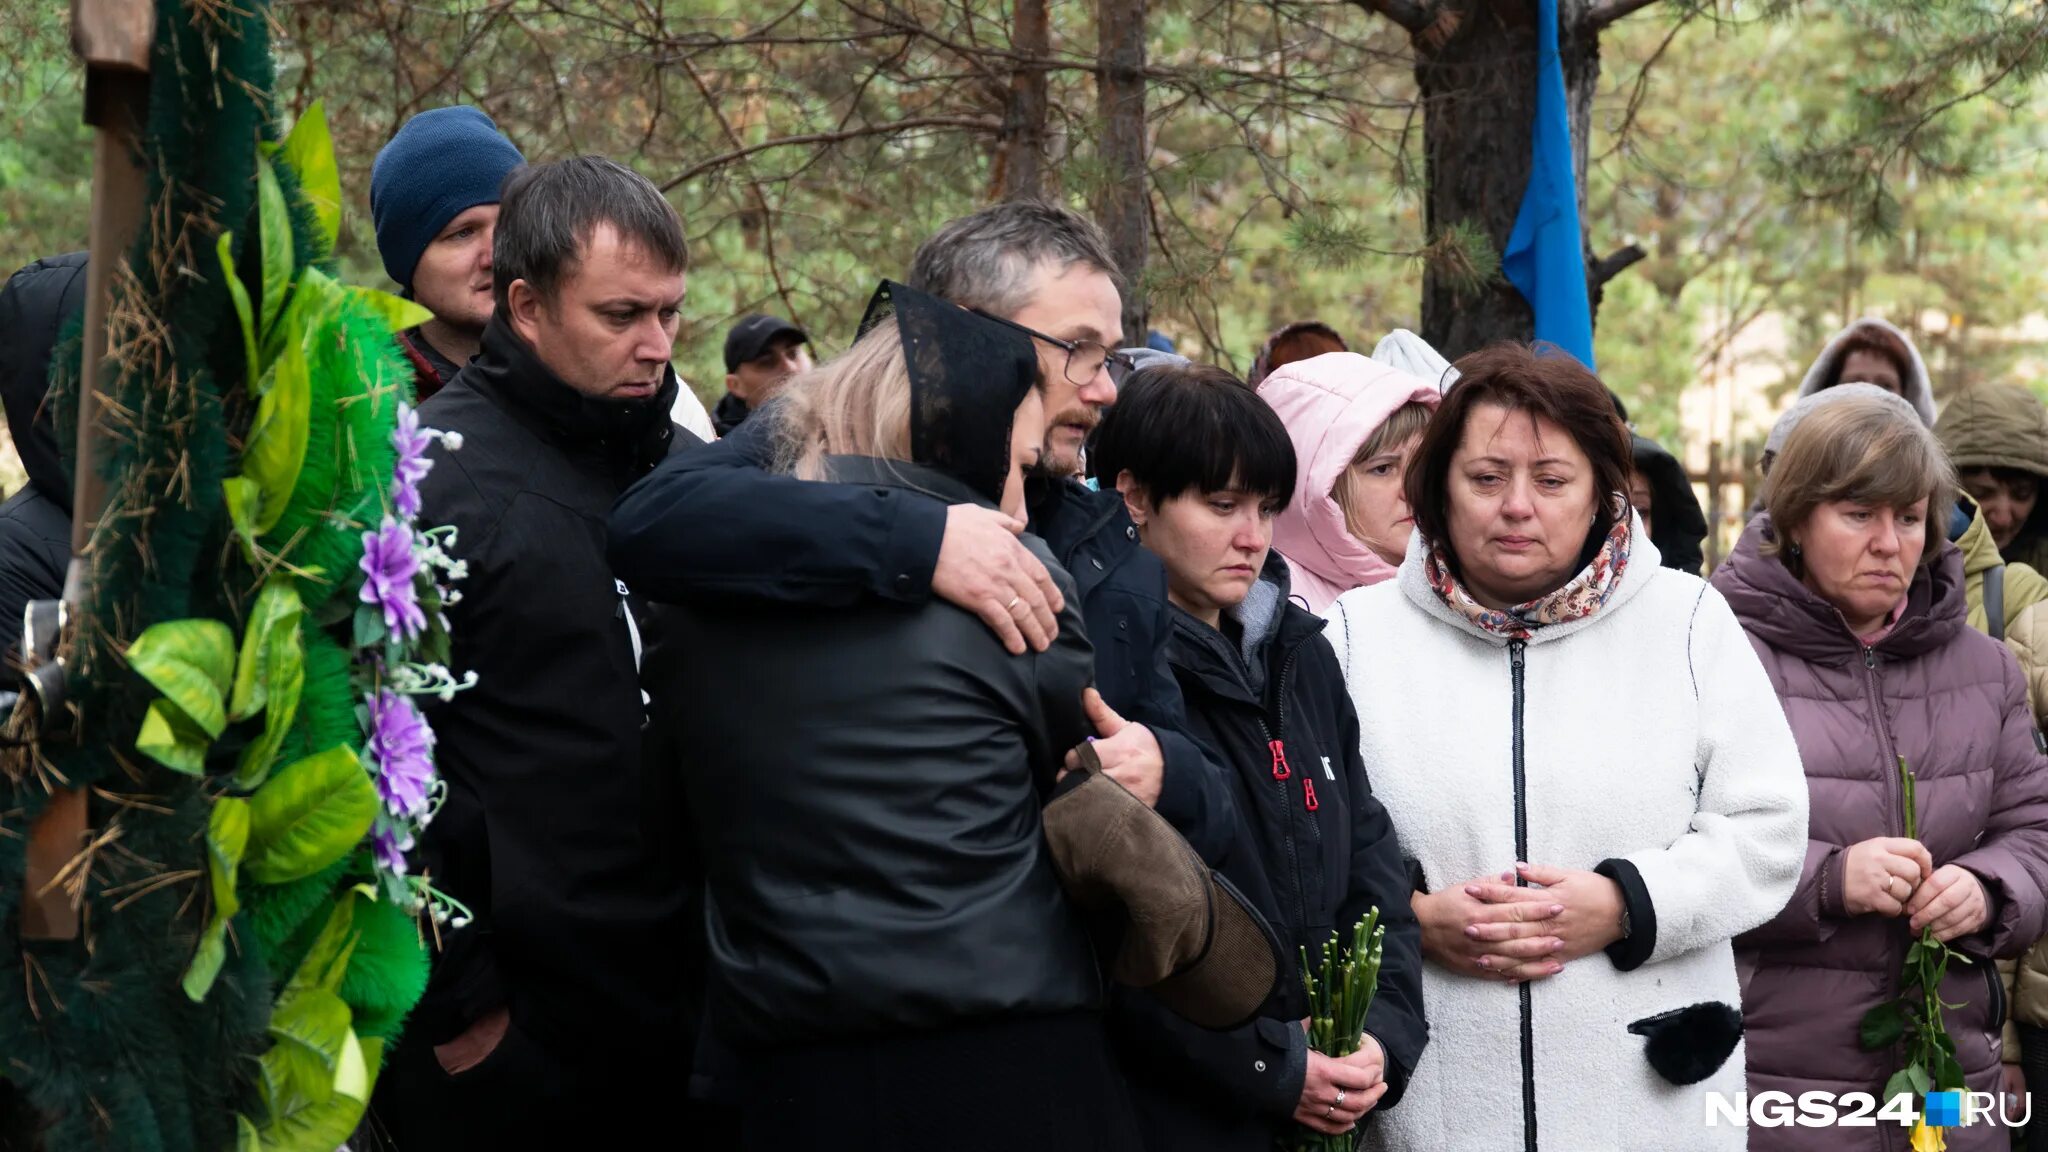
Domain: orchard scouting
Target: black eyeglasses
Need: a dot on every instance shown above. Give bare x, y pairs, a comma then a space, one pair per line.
1085, 358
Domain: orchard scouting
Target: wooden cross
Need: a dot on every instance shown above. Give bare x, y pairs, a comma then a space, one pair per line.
113, 39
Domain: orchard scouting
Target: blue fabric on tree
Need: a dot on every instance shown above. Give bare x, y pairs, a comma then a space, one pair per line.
1545, 257
442, 163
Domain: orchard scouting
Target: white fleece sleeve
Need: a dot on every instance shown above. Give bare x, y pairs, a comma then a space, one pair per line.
1740, 861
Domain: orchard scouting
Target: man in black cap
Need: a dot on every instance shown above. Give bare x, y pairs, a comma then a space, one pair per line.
761, 353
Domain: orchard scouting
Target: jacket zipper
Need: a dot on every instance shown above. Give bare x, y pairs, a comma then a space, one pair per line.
1276, 743
1895, 806
1895, 809
1516, 648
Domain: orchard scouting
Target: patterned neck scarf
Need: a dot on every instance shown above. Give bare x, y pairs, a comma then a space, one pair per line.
1581, 596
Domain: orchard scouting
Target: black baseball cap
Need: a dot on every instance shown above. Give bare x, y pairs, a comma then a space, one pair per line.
752, 336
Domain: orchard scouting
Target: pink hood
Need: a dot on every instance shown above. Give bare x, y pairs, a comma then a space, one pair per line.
1331, 405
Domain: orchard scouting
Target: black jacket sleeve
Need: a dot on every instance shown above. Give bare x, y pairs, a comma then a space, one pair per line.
714, 520
34, 550
1194, 794
1060, 674
1259, 1067
1379, 877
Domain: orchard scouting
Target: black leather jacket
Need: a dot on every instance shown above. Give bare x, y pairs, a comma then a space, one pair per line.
865, 781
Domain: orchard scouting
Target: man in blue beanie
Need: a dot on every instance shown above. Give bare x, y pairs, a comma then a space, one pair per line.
434, 200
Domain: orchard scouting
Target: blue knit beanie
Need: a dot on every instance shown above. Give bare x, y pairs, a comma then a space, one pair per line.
441, 164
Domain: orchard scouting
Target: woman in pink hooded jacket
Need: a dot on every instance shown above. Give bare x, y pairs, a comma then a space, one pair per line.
1353, 422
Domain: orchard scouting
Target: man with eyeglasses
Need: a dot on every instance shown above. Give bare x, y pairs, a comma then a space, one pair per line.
715, 522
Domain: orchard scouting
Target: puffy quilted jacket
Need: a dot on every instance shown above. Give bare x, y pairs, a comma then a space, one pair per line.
1951, 701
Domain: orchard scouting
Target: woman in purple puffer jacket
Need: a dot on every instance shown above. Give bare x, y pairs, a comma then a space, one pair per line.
1856, 609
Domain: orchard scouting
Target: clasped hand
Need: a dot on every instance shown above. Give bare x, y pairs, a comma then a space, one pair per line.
1494, 929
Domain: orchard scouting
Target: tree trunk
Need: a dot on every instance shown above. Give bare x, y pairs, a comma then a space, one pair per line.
1020, 158
1475, 63
1123, 204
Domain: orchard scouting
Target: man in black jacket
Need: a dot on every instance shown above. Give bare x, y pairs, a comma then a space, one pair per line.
551, 1016
717, 522
35, 523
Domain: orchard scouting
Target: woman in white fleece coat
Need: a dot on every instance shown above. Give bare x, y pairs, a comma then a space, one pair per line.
1534, 687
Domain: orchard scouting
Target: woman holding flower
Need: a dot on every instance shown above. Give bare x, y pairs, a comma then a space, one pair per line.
1858, 611
1588, 770
1205, 467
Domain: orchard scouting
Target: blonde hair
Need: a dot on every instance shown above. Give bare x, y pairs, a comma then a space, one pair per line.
856, 404
1401, 425
1865, 450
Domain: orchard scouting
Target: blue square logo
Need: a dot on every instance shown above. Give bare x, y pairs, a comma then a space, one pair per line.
1944, 1110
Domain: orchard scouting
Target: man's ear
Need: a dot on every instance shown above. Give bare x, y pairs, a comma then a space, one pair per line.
732, 385
522, 309
1133, 493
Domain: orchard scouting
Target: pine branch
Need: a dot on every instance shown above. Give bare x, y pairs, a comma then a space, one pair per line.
971, 123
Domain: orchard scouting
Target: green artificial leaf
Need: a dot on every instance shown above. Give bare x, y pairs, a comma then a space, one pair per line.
227, 835
243, 496
308, 815
276, 451
397, 311
1917, 1075
275, 221
369, 626
192, 663
243, 312
352, 1075
247, 1139
310, 1029
1882, 1026
325, 1126
310, 152
171, 738
273, 620
270, 675
310, 308
326, 962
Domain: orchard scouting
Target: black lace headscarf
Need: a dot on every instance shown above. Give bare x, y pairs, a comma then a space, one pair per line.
968, 373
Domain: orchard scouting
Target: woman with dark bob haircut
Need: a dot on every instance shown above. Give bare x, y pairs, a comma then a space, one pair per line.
1588, 770
1203, 465
1858, 611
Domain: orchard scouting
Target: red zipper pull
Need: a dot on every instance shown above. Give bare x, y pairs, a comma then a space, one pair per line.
1280, 769
1308, 794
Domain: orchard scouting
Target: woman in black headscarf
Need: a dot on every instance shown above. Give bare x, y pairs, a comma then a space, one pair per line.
890, 952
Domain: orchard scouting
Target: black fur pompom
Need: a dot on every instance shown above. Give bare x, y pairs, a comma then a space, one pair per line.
1686, 1045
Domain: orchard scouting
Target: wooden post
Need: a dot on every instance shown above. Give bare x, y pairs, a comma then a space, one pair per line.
1714, 497
113, 39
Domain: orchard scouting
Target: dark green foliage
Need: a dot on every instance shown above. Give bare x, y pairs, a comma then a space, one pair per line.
389, 971
275, 914
102, 1042
327, 706
343, 489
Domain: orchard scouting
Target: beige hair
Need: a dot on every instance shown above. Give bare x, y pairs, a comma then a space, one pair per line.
1865, 450
856, 404
1401, 425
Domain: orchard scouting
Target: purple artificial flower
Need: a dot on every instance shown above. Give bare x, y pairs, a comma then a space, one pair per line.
388, 569
411, 441
401, 746
390, 842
